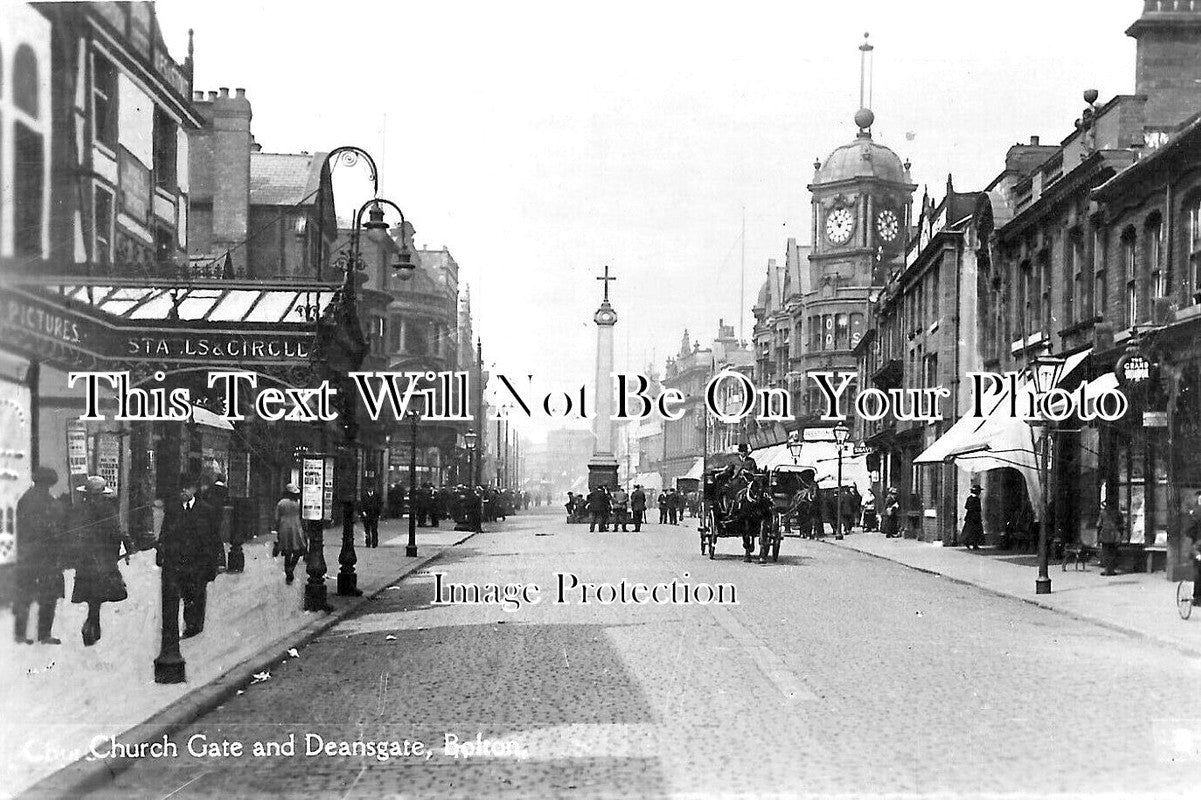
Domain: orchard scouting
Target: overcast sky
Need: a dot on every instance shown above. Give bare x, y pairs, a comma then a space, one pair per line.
541, 141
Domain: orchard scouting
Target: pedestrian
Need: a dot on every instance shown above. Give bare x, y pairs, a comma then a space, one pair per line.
98, 539
973, 522
598, 509
638, 506
1109, 533
620, 501
40, 557
370, 508
1192, 528
570, 506
892, 515
290, 538
664, 502
673, 507
188, 554
870, 522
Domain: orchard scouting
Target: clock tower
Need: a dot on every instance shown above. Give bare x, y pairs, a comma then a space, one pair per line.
861, 197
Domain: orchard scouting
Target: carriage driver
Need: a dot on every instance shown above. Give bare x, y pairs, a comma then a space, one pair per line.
745, 462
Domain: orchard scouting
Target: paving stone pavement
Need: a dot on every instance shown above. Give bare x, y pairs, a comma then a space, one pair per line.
835, 674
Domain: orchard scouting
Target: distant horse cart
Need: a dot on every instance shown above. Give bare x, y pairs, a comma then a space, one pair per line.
794, 494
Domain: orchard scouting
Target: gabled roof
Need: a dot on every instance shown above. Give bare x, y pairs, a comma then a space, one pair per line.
285, 179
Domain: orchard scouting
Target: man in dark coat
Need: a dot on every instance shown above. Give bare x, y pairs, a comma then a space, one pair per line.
598, 509
39, 571
370, 507
638, 507
664, 501
188, 551
673, 507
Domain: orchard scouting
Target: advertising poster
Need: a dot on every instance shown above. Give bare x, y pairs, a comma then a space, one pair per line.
14, 463
312, 488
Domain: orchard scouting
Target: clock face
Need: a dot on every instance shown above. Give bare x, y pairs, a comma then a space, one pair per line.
840, 224
887, 225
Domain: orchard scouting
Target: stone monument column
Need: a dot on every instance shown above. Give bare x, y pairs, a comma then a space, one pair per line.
602, 467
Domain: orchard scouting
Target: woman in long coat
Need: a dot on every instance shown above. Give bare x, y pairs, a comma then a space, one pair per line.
289, 533
1110, 529
973, 522
98, 539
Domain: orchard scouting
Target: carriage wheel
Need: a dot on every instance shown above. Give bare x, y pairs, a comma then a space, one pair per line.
704, 540
1184, 598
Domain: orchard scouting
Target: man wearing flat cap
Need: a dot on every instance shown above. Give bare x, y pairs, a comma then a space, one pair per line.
40, 557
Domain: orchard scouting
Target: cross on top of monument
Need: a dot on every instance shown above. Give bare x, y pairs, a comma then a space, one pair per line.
606, 278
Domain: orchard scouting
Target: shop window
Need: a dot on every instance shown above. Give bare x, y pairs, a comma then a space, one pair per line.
856, 329
102, 226
1143, 484
165, 143
104, 101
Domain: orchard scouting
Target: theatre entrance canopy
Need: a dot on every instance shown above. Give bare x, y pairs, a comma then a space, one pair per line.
145, 327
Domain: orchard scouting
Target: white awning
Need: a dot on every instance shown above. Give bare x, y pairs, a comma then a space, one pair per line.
821, 456
649, 480
698, 469
202, 416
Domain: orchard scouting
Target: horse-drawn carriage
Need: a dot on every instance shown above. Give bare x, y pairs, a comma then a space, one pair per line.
738, 506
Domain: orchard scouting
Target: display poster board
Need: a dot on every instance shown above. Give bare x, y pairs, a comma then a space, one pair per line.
327, 495
108, 460
238, 478
312, 488
15, 474
77, 455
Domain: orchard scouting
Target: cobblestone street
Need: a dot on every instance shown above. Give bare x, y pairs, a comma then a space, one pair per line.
835, 673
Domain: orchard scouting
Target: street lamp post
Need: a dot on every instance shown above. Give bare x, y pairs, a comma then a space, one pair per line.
794, 447
1045, 371
477, 515
353, 265
841, 432
411, 547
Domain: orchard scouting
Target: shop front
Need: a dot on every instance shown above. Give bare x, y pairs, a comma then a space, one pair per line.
164, 338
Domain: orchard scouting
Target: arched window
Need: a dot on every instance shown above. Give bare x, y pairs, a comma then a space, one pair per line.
25, 81
1130, 274
1153, 245
1194, 247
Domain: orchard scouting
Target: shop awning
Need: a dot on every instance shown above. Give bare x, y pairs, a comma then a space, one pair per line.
698, 469
974, 433
114, 324
822, 456
649, 480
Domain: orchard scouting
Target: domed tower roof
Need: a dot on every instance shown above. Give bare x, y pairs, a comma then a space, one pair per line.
862, 158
